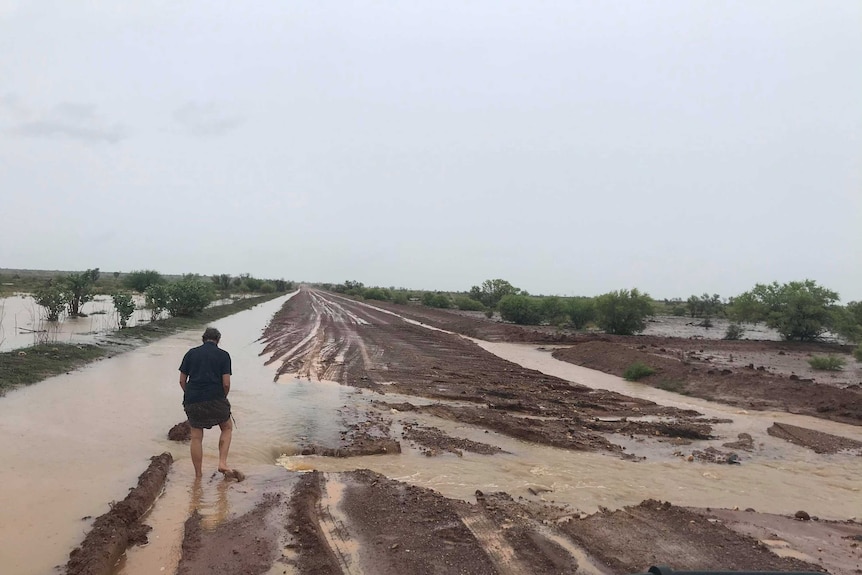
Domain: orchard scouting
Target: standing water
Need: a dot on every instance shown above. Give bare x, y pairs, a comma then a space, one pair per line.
76, 442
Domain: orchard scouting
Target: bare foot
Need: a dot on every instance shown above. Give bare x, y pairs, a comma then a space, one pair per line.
232, 474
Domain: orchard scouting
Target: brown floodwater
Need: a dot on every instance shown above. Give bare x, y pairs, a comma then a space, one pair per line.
73, 443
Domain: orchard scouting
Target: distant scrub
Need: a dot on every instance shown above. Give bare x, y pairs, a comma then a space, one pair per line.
466, 303
637, 371
827, 362
734, 332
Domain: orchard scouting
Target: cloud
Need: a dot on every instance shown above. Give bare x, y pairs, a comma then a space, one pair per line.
205, 119
78, 121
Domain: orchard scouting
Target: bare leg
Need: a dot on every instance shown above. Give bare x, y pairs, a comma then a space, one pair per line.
197, 449
224, 444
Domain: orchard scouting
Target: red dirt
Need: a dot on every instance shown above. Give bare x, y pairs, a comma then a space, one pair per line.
817, 441
120, 527
322, 336
386, 527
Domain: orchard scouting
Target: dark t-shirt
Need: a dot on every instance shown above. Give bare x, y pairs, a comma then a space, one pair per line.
204, 365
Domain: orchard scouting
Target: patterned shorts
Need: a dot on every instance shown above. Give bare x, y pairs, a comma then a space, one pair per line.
205, 414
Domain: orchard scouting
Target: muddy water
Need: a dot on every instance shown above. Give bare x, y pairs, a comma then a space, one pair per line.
22, 323
73, 443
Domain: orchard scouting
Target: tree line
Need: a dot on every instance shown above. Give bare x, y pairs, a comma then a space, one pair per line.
798, 310
183, 297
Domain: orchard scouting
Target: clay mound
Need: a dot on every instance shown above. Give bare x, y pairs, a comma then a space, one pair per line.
181, 432
817, 441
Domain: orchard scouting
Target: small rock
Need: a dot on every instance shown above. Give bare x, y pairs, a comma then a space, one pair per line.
802, 516
750, 510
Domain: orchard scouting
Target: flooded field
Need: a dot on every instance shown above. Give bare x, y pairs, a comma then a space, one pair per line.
22, 322
97, 427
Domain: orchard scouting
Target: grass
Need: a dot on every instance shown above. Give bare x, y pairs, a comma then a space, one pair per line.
33, 364
637, 371
26, 366
826, 362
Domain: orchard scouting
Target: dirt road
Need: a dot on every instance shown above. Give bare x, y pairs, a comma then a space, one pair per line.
361, 522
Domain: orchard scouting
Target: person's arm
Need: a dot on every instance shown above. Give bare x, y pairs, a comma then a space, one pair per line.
225, 383
184, 377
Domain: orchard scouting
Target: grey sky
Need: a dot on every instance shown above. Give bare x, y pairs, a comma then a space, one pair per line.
569, 147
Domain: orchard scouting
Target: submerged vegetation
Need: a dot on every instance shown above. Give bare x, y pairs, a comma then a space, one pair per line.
33, 364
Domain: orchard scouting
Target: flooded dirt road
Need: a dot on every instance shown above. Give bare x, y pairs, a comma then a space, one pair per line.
566, 451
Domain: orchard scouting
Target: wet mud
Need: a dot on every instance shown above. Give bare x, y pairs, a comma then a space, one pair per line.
751, 374
691, 372
180, 432
246, 545
120, 527
361, 522
322, 336
817, 441
434, 442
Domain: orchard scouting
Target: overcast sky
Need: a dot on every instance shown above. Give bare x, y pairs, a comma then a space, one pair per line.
568, 147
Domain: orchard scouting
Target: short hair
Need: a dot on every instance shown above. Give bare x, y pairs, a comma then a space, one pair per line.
211, 334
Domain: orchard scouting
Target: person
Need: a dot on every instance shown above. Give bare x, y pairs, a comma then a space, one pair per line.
205, 379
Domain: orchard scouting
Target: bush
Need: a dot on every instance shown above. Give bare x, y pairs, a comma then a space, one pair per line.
189, 296
438, 300
492, 291
857, 353
553, 310
125, 306
734, 332
53, 298
637, 371
466, 303
376, 293
826, 363
156, 300
581, 311
623, 312
400, 297
800, 311
267, 287
520, 309
140, 280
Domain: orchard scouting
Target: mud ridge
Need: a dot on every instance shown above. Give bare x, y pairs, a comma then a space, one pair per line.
817, 441
120, 527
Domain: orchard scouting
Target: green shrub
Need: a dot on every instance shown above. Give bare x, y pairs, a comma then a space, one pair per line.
125, 306
376, 293
156, 300
53, 298
637, 371
520, 309
140, 280
623, 312
466, 303
581, 311
826, 363
267, 287
400, 297
189, 296
734, 332
857, 353
438, 300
